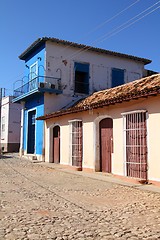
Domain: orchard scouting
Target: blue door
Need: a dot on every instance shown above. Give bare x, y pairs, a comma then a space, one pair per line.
31, 132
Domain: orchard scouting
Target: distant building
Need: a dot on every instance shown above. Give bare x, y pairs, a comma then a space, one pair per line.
10, 125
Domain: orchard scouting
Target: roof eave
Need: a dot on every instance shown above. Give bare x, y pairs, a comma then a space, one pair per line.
40, 41
99, 105
32, 47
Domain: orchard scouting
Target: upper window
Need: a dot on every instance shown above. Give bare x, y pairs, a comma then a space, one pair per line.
33, 76
33, 71
117, 77
81, 78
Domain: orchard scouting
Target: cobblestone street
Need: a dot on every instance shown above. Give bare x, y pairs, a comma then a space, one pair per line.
42, 203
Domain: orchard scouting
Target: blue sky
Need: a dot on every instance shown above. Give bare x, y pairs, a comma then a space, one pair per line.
90, 22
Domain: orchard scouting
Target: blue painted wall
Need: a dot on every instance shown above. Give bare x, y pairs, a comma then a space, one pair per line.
36, 103
39, 56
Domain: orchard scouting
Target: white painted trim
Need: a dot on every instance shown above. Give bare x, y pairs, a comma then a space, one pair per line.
70, 144
124, 146
147, 141
135, 111
96, 141
50, 140
75, 120
30, 110
35, 63
22, 130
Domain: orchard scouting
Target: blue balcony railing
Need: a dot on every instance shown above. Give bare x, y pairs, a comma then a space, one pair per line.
39, 84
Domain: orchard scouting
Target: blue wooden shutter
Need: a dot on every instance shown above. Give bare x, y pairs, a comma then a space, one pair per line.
117, 77
81, 78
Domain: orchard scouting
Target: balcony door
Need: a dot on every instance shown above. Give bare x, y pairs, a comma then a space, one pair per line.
33, 76
31, 132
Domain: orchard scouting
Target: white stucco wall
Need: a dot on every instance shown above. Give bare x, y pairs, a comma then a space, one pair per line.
91, 121
11, 112
4, 119
60, 61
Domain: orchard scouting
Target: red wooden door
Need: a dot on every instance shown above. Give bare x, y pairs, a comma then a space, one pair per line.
56, 144
106, 136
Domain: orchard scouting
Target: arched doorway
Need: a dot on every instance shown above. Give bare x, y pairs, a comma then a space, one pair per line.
56, 144
106, 144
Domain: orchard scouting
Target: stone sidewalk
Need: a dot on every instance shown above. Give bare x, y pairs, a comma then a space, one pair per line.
40, 202
104, 177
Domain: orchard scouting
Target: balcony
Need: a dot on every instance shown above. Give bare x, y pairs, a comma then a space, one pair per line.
39, 84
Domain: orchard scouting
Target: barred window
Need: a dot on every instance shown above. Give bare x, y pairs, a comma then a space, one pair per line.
135, 134
76, 142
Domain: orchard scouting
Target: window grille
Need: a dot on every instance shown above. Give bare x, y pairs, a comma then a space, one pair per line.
135, 144
76, 142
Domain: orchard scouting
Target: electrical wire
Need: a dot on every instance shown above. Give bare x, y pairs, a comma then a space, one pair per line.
115, 31
132, 23
104, 23
110, 19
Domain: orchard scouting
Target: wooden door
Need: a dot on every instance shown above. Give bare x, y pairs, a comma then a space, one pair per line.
106, 141
56, 144
31, 132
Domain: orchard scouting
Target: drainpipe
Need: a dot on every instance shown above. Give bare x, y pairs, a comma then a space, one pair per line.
21, 151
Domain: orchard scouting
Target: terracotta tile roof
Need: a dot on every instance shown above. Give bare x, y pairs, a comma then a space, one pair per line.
42, 40
145, 87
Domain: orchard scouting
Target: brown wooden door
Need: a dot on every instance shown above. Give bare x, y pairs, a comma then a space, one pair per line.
106, 136
56, 144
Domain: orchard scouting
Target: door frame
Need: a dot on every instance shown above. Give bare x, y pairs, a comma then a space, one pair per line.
97, 141
50, 139
31, 110
106, 153
59, 144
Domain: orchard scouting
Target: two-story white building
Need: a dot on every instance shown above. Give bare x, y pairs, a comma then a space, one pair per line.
10, 125
59, 73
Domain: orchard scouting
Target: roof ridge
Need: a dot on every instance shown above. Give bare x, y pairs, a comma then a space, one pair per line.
42, 40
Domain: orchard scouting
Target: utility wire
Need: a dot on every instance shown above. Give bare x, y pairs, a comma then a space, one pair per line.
99, 26
133, 19
115, 31
131, 23
110, 19
103, 23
